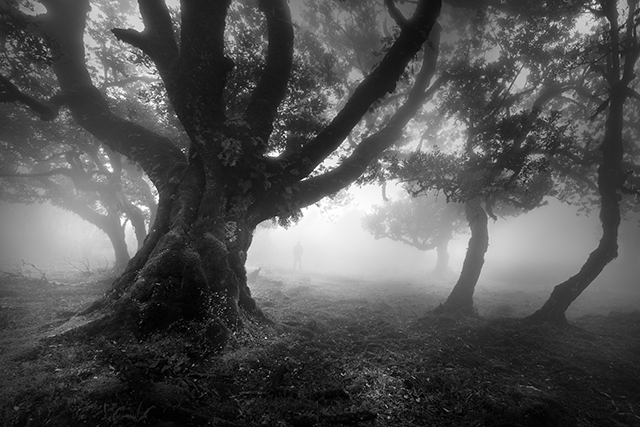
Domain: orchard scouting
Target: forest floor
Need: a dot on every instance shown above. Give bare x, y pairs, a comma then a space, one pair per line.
345, 351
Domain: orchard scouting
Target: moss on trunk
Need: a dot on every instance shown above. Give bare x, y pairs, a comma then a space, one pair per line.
190, 270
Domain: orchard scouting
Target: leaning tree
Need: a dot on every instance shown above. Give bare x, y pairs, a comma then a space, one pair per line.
60, 163
497, 138
500, 172
611, 60
57, 163
214, 194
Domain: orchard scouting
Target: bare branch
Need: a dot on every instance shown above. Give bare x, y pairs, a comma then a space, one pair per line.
379, 82
415, 242
10, 93
157, 40
547, 93
395, 13
134, 38
272, 86
352, 167
43, 277
601, 108
157, 155
631, 93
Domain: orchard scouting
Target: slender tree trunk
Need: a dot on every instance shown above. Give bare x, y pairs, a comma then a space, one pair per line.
108, 224
442, 263
610, 178
461, 297
135, 216
116, 235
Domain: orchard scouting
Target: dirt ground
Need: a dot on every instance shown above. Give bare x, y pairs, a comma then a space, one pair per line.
344, 351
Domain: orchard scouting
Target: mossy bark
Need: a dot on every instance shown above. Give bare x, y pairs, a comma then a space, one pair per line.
191, 265
190, 269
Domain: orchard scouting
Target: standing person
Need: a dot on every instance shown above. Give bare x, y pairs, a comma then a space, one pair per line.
297, 256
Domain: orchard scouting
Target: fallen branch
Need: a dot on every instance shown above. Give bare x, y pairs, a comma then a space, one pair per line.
86, 266
43, 276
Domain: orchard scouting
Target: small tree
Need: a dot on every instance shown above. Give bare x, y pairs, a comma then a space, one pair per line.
424, 223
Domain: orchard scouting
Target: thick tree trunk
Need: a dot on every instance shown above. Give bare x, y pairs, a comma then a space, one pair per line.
461, 297
191, 268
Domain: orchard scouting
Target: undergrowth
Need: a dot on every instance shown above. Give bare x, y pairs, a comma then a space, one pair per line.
365, 354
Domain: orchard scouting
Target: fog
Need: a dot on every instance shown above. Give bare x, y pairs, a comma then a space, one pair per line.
552, 237
52, 239
536, 250
546, 245
336, 245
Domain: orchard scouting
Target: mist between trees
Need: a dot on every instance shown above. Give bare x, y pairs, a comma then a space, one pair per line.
191, 133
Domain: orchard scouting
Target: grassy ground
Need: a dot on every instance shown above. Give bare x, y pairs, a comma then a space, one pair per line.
344, 351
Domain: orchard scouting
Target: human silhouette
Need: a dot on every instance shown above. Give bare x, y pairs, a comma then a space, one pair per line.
297, 256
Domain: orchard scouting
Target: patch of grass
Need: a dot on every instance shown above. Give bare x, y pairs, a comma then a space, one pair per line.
343, 352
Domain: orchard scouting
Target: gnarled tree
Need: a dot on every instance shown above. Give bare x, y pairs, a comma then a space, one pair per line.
212, 197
